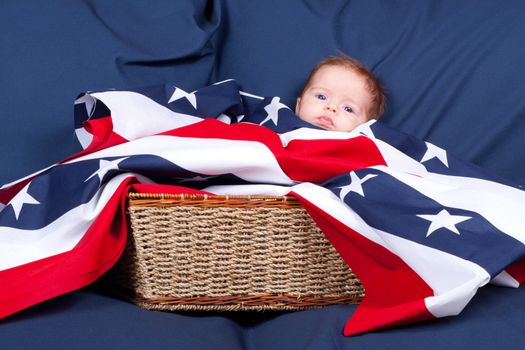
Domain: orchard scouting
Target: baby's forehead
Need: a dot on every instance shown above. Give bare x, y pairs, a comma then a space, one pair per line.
332, 66
333, 71
328, 74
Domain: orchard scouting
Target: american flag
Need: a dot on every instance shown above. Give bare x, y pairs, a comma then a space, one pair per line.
422, 229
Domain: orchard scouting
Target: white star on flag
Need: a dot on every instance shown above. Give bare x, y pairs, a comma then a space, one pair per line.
355, 185
273, 110
434, 151
89, 102
179, 93
20, 199
105, 166
444, 219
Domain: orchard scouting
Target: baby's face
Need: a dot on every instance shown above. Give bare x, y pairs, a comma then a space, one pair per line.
336, 99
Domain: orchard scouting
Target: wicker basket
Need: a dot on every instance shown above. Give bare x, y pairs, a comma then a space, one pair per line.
229, 253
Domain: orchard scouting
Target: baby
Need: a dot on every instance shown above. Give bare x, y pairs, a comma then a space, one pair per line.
340, 94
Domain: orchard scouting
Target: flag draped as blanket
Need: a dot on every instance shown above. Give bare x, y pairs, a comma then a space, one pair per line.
422, 229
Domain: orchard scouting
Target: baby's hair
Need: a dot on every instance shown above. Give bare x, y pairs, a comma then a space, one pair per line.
373, 84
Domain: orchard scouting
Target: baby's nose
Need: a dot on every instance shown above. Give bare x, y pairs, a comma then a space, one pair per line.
330, 108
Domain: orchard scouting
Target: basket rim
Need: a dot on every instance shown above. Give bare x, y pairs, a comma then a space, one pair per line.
203, 199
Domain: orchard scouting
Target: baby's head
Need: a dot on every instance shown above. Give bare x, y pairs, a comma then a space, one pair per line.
340, 94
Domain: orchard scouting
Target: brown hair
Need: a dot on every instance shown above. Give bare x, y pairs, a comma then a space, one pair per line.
373, 84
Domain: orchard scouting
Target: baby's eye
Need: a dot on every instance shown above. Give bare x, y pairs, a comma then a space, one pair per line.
320, 97
348, 109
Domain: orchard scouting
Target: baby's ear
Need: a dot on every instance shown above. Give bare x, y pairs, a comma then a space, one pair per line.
297, 104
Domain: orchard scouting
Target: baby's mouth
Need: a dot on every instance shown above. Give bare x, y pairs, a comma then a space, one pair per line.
325, 122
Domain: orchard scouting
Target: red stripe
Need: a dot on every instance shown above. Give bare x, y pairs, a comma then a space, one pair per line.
517, 270
95, 253
394, 293
302, 160
103, 136
321, 160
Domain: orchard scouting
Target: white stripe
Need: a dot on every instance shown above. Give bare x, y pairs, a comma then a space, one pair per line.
242, 93
504, 279
84, 137
392, 156
23, 246
398, 160
246, 190
249, 160
135, 115
454, 300
454, 280
502, 205
440, 270
223, 81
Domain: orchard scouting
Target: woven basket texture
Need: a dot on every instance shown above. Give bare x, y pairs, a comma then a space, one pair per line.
230, 255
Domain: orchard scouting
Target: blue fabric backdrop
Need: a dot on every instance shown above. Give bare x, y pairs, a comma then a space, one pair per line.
453, 75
